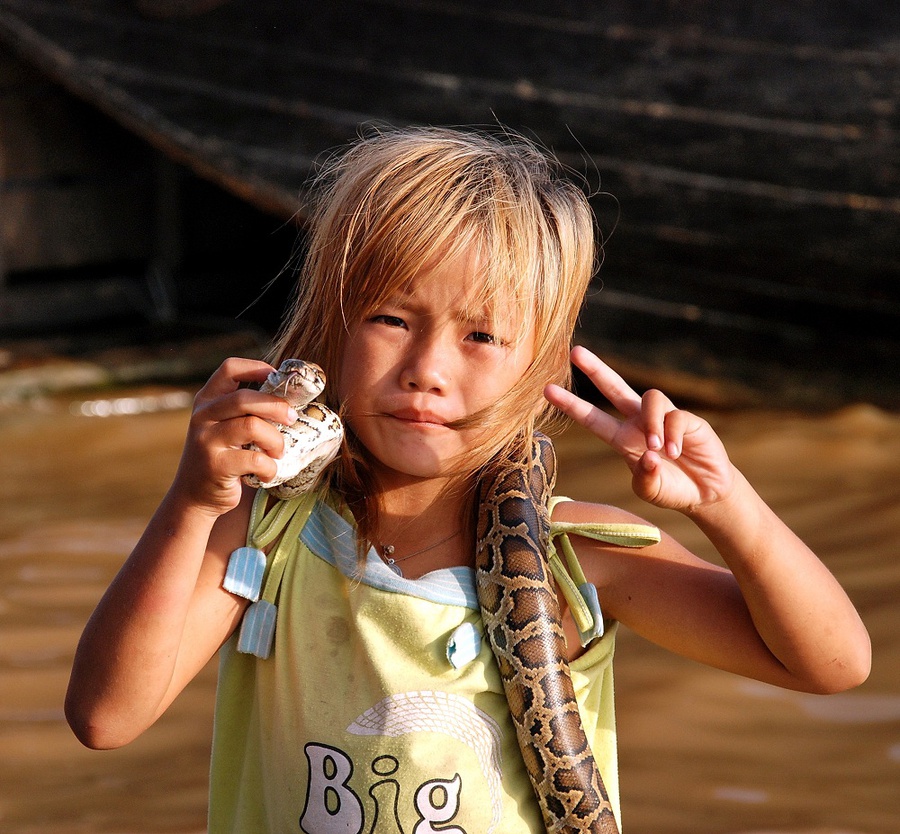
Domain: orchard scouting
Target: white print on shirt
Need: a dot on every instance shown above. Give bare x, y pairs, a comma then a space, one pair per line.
332, 806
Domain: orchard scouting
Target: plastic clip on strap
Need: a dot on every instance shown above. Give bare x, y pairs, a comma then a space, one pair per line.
244, 576
247, 567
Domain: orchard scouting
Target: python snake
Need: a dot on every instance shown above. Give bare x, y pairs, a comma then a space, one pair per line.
516, 593
522, 622
312, 441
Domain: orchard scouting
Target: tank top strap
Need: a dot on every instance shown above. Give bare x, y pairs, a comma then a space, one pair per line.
286, 519
580, 594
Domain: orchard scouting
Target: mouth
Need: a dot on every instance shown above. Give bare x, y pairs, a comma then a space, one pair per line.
288, 383
423, 418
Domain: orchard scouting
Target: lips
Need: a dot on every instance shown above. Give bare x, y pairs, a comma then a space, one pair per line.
409, 415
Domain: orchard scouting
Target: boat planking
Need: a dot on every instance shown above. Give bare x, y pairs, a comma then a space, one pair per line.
742, 157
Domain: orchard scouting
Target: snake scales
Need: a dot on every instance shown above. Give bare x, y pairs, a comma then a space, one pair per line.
516, 593
523, 626
312, 441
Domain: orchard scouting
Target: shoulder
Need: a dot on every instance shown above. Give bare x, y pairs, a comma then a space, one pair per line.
619, 536
614, 546
585, 512
638, 582
602, 534
600, 557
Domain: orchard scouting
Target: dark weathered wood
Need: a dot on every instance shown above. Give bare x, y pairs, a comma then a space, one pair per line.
751, 147
29, 308
72, 185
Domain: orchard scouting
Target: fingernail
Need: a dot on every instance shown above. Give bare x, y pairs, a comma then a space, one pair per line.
653, 442
672, 450
292, 415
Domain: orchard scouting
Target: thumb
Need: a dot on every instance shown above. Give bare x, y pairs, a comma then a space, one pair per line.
646, 477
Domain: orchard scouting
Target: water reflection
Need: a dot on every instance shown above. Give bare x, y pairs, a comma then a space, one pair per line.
746, 796
845, 708
702, 752
118, 406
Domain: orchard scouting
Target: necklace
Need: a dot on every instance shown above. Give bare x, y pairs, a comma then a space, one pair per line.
387, 551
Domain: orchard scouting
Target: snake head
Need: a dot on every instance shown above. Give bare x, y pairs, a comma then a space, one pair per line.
296, 381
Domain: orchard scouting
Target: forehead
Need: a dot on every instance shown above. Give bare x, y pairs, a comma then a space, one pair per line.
463, 283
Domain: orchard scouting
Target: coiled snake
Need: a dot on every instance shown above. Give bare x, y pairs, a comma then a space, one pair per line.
312, 441
518, 603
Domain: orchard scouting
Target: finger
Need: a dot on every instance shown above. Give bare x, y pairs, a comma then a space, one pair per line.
231, 374
606, 381
646, 477
211, 445
248, 429
655, 409
247, 402
250, 462
594, 419
678, 423
228, 466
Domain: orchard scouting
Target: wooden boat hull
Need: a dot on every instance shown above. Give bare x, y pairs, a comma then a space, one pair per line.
743, 156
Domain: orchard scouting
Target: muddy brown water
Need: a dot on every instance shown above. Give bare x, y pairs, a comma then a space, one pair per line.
701, 751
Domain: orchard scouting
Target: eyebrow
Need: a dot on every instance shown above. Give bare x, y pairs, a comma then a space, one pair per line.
510, 319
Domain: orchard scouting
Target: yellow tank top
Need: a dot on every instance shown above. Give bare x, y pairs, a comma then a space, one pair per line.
381, 708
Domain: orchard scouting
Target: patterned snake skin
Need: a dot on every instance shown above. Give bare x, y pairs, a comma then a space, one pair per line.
313, 441
522, 622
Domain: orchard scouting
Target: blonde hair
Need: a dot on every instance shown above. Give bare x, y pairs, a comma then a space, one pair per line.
397, 200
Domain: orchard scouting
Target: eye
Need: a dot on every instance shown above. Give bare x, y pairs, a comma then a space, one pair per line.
484, 338
390, 321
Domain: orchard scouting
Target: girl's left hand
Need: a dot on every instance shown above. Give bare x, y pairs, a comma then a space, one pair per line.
676, 459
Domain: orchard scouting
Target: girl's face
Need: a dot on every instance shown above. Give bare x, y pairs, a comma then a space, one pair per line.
420, 361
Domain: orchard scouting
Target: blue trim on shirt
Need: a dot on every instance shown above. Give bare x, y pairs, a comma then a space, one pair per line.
332, 538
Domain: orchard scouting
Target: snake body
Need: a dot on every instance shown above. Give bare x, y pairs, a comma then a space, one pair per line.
312, 441
522, 622
516, 593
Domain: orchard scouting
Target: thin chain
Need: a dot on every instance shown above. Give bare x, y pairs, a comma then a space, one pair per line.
388, 549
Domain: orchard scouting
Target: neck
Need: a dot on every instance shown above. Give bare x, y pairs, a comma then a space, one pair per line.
416, 516
409, 498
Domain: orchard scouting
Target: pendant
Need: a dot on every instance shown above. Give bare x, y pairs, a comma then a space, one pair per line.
386, 551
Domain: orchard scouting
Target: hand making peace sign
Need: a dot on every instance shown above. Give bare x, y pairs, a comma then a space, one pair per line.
676, 459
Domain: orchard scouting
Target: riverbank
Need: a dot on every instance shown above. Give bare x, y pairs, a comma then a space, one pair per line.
34, 367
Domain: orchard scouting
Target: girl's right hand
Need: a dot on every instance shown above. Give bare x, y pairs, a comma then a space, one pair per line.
166, 613
227, 418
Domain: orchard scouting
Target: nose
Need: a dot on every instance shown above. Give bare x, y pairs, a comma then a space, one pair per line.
426, 367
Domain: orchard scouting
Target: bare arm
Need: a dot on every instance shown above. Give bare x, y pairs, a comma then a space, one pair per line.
777, 614
165, 614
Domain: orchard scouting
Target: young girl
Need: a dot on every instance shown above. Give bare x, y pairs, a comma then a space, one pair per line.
439, 294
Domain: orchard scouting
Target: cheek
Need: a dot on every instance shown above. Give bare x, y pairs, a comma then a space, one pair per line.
507, 378
515, 367
360, 372
349, 368
345, 382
